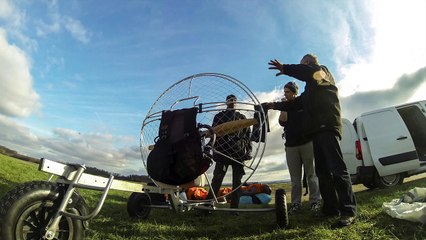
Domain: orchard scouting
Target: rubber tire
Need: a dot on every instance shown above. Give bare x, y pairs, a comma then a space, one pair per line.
138, 205
281, 208
26, 210
369, 185
384, 182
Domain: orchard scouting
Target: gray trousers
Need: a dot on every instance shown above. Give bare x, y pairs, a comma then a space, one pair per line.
298, 156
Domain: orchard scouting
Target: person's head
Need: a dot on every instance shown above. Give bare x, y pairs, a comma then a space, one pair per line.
231, 101
291, 90
309, 59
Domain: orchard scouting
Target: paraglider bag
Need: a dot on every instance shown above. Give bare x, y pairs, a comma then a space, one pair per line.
177, 157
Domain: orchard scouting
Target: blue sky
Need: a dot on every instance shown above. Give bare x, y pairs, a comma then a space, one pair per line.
78, 77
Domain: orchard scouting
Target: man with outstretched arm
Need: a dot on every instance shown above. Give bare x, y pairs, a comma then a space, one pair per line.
322, 122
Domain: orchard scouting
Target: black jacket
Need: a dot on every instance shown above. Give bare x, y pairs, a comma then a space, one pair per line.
319, 101
293, 129
236, 145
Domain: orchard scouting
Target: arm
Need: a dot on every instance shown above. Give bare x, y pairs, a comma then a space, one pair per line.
301, 72
283, 118
294, 105
216, 119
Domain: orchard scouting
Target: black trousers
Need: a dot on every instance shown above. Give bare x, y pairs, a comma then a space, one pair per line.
334, 180
218, 175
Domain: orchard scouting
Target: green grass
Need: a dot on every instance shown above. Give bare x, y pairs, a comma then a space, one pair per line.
113, 222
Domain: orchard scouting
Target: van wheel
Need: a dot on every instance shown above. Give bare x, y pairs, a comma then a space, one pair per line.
388, 181
369, 185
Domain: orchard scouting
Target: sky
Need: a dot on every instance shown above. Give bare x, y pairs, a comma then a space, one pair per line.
78, 77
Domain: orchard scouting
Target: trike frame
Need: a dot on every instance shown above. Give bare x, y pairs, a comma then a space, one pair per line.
74, 177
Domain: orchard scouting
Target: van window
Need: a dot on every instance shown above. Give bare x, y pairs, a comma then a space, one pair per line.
354, 124
415, 121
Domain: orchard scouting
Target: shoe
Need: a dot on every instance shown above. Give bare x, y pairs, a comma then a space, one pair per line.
294, 207
346, 220
316, 206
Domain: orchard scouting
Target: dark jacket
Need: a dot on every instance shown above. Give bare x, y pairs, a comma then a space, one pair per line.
319, 101
236, 145
293, 129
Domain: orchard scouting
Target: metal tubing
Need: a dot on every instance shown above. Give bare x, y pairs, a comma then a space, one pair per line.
98, 207
51, 227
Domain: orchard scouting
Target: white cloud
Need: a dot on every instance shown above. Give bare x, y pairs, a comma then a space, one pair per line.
66, 145
95, 150
8, 12
59, 23
43, 29
6, 9
76, 29
420, 93
407, 88
14, 21
398, 30
17, 98
16, 135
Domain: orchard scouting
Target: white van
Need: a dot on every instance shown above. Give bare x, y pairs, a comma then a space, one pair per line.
382, 147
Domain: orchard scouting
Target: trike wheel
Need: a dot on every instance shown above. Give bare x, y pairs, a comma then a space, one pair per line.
281, 208
138, 205
26, 210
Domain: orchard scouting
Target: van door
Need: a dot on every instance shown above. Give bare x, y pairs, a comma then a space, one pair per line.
415, 120
348, 148
391, 145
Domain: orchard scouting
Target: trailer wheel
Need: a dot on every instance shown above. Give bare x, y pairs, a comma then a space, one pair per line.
281, 208
138, 205
27, 209
388, 181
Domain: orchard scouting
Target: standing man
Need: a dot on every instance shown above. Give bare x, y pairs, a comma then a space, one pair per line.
322, 121
299, 152
232, 150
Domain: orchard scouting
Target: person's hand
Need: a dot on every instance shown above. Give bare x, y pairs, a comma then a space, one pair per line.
276, 65
267, 105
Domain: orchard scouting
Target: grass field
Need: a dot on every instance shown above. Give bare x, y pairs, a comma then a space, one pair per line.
113, 221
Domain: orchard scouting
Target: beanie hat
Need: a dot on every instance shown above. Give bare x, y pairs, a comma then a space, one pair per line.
292, 86
231, 97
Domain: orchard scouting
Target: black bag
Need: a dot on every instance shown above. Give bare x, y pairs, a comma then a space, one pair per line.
177, 157
259, 131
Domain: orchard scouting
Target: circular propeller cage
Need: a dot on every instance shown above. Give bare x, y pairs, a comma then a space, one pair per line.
208, 92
